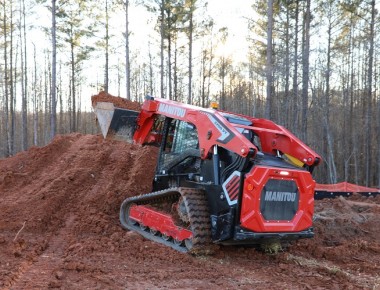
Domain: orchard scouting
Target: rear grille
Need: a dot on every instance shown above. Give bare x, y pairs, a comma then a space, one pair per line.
279, 200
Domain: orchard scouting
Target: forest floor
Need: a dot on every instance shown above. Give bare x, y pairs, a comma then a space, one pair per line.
59, 228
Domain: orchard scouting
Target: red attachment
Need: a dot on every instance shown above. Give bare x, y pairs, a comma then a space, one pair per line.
158, 221
251, 216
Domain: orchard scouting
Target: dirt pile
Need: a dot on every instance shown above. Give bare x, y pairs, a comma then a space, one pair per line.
59, 228
117, 101
66, 198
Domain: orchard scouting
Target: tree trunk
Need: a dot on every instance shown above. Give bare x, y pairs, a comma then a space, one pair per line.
326, 110
295, 74
210, 69
223, 95
127, 63
203, 77
107, 48
53, 111
287, 67
368, 115
305, 72
35, 100
24, 86
378, 144
48, 104
162, 31
169, 39
269, 62
175, 73
352, 147
11, 85
6, 89
73, 97
151, 75
189, 97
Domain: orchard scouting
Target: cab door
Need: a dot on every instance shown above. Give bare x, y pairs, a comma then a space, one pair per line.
179, 152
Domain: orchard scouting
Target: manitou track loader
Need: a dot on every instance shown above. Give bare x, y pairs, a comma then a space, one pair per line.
221, 178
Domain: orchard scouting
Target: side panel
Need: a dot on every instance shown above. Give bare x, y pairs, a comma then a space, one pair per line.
277, 200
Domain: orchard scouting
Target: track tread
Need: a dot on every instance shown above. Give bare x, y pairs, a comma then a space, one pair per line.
197, 210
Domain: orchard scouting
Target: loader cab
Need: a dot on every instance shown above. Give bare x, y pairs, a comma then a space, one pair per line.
179, 155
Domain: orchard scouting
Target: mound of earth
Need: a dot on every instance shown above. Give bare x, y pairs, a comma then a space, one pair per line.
59, 228
117, 101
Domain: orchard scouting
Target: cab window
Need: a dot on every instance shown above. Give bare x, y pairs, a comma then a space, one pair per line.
181, 146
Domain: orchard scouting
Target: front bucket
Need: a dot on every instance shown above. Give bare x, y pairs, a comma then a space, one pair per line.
116, 123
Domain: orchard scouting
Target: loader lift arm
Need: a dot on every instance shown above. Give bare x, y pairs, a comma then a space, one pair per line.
215, 129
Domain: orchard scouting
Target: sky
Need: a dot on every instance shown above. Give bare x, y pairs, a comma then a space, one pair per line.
233, 15
230, 14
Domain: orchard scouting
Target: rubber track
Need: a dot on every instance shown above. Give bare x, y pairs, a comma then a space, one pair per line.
197, 210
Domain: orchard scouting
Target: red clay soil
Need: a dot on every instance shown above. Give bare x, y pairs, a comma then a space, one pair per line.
59, 228
117, 101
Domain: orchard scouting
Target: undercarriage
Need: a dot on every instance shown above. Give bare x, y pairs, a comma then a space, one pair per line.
175, 217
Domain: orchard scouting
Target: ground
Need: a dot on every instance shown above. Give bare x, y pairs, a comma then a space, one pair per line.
59, 228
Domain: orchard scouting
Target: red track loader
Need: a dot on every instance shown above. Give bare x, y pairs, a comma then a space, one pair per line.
221, 178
